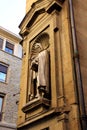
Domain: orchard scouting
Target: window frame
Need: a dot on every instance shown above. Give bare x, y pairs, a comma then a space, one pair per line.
9, 46
2, 96
4, 65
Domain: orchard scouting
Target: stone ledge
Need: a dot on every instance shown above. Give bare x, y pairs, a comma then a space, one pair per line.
45, 114
8, 125
36, 103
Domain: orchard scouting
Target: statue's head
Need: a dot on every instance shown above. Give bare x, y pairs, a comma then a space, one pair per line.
38, 47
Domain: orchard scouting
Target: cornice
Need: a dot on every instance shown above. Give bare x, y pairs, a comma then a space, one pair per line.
54, 5
8, 33
37, 8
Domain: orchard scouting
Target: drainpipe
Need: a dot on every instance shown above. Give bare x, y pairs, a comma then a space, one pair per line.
80, 92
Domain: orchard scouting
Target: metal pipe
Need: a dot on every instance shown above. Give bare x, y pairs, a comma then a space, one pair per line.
79, 85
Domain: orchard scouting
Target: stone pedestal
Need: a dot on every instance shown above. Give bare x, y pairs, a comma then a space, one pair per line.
36, 107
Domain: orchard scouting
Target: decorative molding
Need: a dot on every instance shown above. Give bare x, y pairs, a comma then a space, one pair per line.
44, 115
24, 32
34, 16
63, 117
36, 103
37, 8
29, 20
63, 109
54, 5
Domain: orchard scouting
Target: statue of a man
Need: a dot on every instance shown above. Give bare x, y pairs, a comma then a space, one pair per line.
40, 66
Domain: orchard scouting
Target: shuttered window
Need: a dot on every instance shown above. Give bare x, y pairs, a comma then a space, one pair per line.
9, 47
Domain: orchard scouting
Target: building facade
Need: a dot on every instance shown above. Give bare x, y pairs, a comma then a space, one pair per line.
10, 67
54, 70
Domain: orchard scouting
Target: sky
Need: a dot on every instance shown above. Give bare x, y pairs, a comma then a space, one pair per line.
11, 14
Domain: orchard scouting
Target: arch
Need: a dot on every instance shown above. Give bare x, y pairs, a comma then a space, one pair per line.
41, 43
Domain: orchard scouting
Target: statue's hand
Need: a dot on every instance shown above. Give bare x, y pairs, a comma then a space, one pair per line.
34, 65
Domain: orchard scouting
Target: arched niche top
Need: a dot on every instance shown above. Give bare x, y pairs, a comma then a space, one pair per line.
41, 43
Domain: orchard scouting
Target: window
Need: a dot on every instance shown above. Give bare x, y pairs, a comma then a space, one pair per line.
3, 72
9, 47
1, 105
1, 43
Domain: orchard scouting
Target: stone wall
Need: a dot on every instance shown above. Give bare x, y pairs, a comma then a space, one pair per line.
62, 73
10, 88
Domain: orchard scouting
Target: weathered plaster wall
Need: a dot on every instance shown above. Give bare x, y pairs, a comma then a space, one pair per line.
80, 15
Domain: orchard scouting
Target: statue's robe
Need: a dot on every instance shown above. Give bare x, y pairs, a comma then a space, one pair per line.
40, 70
43, 69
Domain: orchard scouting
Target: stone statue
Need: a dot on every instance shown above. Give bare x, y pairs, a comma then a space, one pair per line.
40, 71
